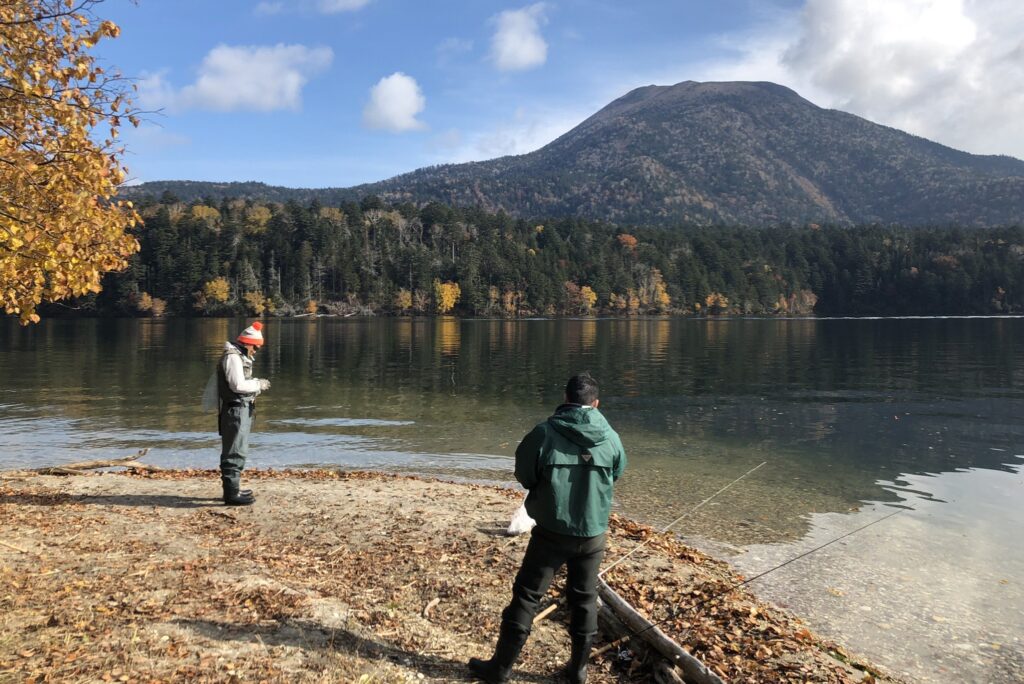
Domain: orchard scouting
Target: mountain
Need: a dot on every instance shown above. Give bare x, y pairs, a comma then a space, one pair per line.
749, 153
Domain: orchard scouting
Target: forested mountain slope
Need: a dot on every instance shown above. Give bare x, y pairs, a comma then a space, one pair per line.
705, 153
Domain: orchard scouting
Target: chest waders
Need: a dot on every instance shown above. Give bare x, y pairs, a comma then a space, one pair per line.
234, 423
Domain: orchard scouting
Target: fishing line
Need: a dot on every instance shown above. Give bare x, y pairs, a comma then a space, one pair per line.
682, 517
697, 606
550, 609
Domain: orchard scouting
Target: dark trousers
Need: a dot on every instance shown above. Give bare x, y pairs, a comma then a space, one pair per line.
235, 425
545, 554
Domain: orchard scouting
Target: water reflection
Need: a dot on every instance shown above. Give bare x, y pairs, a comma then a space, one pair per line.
834, 406
448, 336
866, 400
934, 594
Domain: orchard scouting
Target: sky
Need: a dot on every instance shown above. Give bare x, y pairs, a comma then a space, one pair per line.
333, 93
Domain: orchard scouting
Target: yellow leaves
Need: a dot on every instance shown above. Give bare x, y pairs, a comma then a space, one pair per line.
60, 232
653, 294
332, 214
257, 303
446, 295
209, 215
579, 299
588, 296
217, 290
716, 303
106, 29
403, 300
256, 219
511, 300
110, 29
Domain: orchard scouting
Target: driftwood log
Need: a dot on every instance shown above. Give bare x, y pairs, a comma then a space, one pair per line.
666, 674
82, 466
636, 625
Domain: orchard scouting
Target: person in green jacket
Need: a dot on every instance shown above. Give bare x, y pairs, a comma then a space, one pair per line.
569, 464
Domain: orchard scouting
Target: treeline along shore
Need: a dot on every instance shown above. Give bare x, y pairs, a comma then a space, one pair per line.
236, 257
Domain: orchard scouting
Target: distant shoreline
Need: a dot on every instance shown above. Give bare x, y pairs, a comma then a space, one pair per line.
605, 317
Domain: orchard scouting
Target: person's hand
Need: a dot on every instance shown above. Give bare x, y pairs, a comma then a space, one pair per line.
264, 385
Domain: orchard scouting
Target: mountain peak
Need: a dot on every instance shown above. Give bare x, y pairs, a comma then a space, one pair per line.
745, 152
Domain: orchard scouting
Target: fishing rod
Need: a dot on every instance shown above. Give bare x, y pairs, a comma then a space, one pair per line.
550, 609
681, 518
695, 609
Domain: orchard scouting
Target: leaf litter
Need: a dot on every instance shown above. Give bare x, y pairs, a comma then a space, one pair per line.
337, 576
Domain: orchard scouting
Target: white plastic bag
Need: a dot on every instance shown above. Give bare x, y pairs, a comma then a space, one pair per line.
521, 522
210, 394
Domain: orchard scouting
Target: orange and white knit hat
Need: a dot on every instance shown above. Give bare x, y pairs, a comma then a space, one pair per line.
252, 335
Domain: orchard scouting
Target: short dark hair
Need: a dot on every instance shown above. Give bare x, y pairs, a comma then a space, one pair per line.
581, 389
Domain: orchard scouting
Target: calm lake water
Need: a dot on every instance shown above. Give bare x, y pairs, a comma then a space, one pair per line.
854, 418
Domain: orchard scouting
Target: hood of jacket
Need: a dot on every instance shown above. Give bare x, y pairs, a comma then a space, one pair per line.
232, 348
583, 425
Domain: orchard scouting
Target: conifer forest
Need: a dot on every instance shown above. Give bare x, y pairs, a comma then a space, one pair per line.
240, 257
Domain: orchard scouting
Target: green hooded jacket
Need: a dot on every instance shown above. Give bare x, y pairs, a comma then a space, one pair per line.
569, 463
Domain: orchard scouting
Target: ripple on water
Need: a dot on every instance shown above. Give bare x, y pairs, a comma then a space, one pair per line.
341, 422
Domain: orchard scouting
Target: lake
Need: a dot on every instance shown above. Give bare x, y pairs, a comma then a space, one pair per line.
855, 419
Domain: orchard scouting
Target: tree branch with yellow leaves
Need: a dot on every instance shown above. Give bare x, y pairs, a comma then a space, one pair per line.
61, 224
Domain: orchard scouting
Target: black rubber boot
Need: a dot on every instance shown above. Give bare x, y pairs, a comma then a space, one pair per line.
576, 672
233, 497
498, 669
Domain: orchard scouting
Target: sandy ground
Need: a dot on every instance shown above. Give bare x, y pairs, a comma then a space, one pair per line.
347, 577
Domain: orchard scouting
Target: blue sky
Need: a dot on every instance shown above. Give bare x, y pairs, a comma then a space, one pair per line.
326, 93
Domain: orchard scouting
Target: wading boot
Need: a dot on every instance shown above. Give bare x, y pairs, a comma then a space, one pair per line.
498, 669
576, 672
233, 497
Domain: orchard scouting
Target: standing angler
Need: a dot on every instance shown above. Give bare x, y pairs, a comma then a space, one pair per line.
237, 391
569, 464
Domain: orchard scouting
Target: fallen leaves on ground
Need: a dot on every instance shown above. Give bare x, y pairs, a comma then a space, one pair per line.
333, 576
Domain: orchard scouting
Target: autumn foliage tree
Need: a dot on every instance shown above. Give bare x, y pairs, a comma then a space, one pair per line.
403, 300
446, 295
255, 303
214, 293
61, 227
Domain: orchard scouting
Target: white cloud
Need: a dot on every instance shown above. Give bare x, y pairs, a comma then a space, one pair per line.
233, 78
394, 103
525, 132
335, 6
948, 70
517, 44
154, 91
